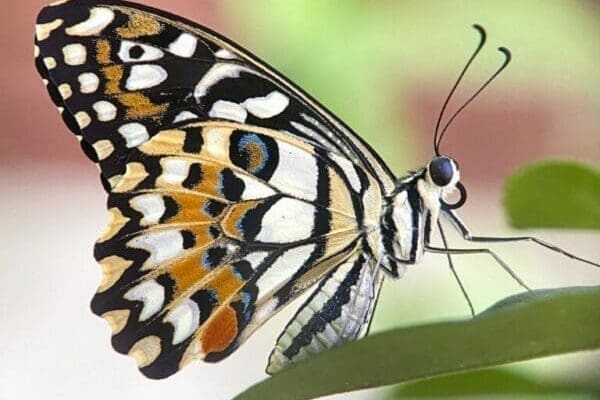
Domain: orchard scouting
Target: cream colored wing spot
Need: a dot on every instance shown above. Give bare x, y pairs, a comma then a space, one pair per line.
105, 110
43, 31
112, 269
88, 82
83, 119
116, 222
117, 319
74, 54
100, 18
49, 62
134, 134
104, 148
146, 350
65, 91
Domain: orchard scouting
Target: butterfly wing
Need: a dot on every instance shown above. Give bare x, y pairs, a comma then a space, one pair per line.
214, 227
230, 189
120, 72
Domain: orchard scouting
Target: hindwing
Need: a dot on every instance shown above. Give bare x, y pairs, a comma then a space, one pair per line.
212, 230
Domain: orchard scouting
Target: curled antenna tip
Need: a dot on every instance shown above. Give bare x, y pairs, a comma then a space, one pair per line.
506, 52
480, 29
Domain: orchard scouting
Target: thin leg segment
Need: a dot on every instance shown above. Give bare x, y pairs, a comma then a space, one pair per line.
440, 250
466, 234
451, 265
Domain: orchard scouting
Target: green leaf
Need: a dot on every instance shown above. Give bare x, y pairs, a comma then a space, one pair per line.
519, 328
556, 194
488, 382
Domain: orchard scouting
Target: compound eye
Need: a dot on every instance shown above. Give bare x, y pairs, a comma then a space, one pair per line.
441, 171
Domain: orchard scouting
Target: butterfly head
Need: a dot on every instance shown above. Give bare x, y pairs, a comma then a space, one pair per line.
443, 172
443, 176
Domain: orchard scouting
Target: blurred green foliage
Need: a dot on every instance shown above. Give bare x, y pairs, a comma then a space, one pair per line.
554, 194
499, 381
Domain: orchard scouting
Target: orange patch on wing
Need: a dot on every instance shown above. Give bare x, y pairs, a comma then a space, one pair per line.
256, 156
140, 106
191, 209
211, 176
220, 332
187, 272
103, 51
113, 74
225, 283
139, 24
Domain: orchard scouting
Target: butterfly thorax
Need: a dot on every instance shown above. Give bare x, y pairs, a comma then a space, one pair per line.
406, 221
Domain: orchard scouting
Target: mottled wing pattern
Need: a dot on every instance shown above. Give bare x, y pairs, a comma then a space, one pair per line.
120, 72
338, 311
230, 189
214, 226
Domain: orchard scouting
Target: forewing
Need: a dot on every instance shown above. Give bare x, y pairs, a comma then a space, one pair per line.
120, 72
338, 311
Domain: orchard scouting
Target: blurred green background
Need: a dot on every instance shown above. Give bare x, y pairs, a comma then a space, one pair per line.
385, 68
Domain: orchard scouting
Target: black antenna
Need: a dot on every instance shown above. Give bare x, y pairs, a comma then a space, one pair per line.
507, 59
483, 36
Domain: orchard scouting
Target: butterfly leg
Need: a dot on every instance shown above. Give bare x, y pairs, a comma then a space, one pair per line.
451, 265
442, 250
460, 226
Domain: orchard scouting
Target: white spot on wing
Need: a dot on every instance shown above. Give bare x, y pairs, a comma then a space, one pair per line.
151, 293
175, 171
104, 148
162, 246
145, 76
74, 54
151, 206
134, 134
268, 106
43, 31
88, 82
288, 220
296, 173
225, 54
99, 19
185, 318
283, 269
217, 73
149, 53
228, 110
65, 91
83, 119
184, 116
184, 45
105, 110
50, 62
254, 189
256, 258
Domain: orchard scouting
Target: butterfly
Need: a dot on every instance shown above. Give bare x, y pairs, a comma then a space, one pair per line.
231, 191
